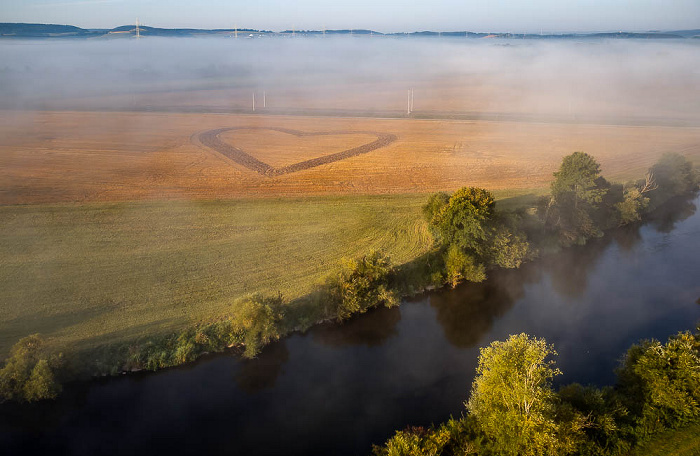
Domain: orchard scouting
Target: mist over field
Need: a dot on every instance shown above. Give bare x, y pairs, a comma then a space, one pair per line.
627, 78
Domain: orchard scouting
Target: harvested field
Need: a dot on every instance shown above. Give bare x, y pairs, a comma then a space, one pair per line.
48, 157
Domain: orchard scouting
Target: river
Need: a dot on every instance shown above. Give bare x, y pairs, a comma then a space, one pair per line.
340, 388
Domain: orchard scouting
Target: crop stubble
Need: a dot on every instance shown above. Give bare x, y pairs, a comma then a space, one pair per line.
102, 156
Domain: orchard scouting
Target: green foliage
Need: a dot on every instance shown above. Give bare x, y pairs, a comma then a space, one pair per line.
605, 430
435, 205
578, 192
453, 437
416, 441
633, 206
41, 383
363, 283
661, 383
259, 318
509, 248
254, 322
464, 220
28, 372
461, 266
576, 182
513, 401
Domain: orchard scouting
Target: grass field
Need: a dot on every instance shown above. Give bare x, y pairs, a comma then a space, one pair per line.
680, 442
103, 272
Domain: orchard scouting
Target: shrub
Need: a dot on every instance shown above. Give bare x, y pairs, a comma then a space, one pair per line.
633, 206
461, 266
509, 248
259, 318
364, 283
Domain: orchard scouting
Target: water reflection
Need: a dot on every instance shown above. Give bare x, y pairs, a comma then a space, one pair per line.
570, 268
261, 373
369, 329
468, 312
665, 218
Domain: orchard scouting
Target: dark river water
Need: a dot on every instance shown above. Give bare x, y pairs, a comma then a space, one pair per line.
338, 389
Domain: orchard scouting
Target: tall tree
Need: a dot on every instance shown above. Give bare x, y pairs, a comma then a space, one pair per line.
513, 401
577, 192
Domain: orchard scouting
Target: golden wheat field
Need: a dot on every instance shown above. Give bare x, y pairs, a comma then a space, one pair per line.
116, 156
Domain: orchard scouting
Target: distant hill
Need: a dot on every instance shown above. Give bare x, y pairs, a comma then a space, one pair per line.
41, 31
687, 33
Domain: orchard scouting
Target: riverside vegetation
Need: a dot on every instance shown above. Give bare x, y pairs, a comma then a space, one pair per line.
471, 237
514, 411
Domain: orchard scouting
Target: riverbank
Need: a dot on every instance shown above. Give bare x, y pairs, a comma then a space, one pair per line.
339, 388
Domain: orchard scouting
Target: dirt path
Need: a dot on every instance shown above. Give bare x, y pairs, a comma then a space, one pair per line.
210, 139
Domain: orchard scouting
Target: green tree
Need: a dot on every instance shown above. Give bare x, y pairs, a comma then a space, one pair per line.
41, 383
464, 221
27, 374
577, 193
577, 180
662, 382
512, 398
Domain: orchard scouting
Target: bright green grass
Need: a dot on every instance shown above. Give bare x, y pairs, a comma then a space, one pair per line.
89, 274
680, 442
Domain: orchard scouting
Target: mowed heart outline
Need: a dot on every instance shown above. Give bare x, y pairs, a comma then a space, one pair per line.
210, 139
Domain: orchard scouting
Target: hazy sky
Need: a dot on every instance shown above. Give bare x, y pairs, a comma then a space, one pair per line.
386, 15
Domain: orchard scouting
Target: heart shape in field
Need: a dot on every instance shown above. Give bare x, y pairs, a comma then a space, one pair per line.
211, 140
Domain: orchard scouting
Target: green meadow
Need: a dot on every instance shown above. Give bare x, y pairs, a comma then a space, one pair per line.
88, 274
97, 273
